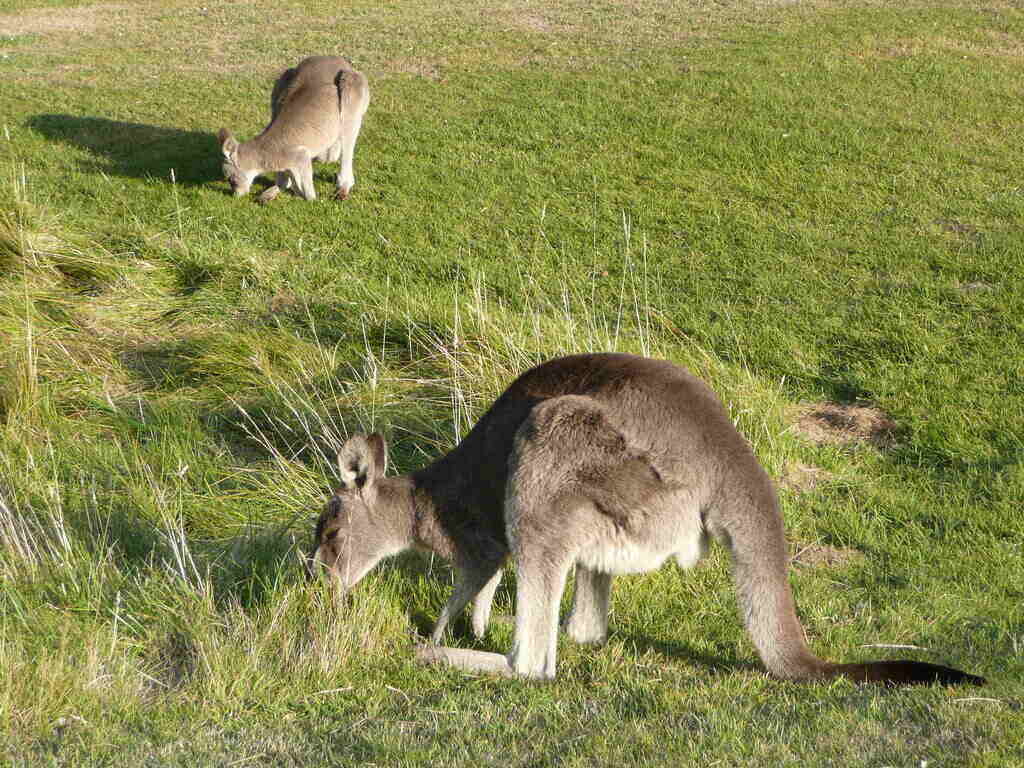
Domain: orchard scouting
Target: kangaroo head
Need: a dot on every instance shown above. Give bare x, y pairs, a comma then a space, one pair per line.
358, 527
239, 177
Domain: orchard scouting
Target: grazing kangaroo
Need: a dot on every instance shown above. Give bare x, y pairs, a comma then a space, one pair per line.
609, 462
316, 112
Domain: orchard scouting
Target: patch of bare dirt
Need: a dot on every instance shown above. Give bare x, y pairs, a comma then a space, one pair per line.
823, 556
44, 21
990, 43
282, 301
897, 50
532, 22
802, 478
145, 28
843, 424
976, 286
956, 227
993, 43
538, 24
430, 70
960, 229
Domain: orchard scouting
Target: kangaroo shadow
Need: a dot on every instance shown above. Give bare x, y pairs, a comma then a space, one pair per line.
724, 664
134, 149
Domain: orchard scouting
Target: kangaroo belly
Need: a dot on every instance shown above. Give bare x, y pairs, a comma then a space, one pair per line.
619, 551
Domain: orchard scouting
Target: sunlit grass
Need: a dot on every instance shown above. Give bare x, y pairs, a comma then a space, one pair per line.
799, 202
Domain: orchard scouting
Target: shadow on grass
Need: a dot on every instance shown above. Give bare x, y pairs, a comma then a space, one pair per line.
716, 664
162, 366
136, 150
243, 566
253, 564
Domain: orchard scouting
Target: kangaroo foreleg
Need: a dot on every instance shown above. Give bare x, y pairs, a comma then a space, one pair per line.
482, 604
471, 582
282, 181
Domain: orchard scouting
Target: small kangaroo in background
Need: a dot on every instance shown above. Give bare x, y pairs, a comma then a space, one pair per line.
316, 111
607, 462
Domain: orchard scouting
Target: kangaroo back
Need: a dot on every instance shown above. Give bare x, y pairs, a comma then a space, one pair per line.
306, 106
316, 70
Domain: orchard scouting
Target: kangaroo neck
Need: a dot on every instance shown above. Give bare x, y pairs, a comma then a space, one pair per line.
266, 152
425, 514
396, 504
447, 515
251, 154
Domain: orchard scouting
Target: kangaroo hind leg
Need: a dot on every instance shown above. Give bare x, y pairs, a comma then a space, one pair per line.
574, 479
354, 97
587, 622
302, 176
541, 574
331, 154
536, 634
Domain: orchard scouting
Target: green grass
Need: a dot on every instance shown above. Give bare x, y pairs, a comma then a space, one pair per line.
799, 201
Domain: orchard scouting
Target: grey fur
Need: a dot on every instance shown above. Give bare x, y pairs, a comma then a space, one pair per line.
610, 463
316, 112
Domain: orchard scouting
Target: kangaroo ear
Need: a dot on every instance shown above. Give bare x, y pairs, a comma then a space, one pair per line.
228, 143
380, 452
362, 461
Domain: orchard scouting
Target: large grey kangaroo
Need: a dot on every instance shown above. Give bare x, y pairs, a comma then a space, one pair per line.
316, 112
607, 462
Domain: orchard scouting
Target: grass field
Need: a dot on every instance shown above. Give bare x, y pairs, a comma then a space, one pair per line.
803, 202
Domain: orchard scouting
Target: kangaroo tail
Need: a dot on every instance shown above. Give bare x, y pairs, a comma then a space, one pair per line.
353, 91
760, 564
779, 638
902, 673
